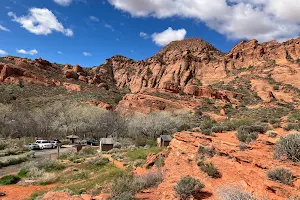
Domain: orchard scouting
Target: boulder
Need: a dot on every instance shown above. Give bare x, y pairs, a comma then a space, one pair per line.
72, 87
71, 74
77, 69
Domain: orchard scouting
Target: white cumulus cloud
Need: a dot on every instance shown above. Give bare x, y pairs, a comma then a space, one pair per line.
168, 36
87, 54
41, 21
29, 52
93, 18
144, 35
237, 19
2, 52
4, 28
63, 2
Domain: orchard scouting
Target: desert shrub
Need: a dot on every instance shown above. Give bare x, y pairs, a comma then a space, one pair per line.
244, 134
149, 180
207, 123
290, 126
117, 145
187, 187
160, 162
231, 125
289, 147
37, 168
276, 87
295, 117
207, 132
80, 175
206, 150
283, 175
121, 185
250, 133
210, 170
234, 193
47, 178
274, 121
15, 159
219, 129
272, 134
243, 146
127, 185
9, 179
88, 151
99, 161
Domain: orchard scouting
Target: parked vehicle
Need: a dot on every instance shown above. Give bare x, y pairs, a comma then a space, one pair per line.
55, 143
44, 144
93, 142
32, 146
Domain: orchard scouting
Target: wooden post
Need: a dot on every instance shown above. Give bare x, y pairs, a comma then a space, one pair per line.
58, 152
100, 147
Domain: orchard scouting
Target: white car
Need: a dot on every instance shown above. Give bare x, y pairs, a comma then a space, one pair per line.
44, 144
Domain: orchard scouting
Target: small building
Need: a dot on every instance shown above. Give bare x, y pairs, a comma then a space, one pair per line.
164, 140
107, 144
74, 138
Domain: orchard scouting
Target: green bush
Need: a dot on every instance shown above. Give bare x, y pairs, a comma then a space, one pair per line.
207, 132
295, 117
244, 134
88, 151
289, 147
210, 170
187, 187
22, 173
80, 175
274, 121
289, 127
207, 123
231, 125
283, 175
99, 161
219, 129
10, 179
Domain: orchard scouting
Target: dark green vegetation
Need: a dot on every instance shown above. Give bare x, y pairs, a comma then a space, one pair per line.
10, 179
210, 169
283, 175
188, 187
142, 153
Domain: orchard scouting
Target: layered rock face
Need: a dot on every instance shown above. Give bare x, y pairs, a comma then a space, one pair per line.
193, 62
179, 66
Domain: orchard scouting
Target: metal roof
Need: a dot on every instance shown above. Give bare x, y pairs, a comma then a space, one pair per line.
107, 141
166, 138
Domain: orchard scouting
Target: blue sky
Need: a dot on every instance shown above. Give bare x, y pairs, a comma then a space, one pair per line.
86, 32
